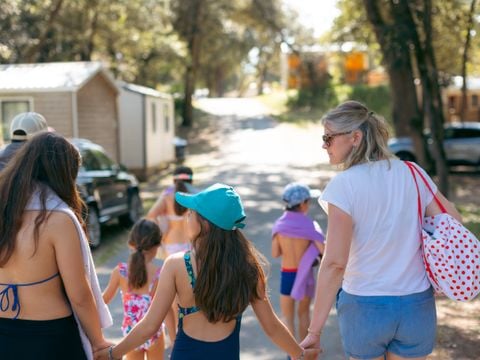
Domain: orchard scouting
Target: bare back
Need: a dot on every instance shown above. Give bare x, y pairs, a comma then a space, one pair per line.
152, 275
291, 250
46, 300
176, 233
196, 325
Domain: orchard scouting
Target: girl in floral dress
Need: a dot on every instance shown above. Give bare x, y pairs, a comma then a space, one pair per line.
137, 281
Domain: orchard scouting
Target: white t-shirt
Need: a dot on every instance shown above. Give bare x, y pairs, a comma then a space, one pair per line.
385, 254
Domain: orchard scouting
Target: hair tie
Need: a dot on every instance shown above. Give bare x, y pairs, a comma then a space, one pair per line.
182, 177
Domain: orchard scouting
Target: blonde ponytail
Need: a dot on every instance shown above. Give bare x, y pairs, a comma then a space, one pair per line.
352, 115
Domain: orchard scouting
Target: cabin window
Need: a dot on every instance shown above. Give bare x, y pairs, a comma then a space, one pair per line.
154, 117
166, 117
474, 100
451, 102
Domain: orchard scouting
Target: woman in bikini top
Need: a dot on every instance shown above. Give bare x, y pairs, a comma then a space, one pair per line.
42, 273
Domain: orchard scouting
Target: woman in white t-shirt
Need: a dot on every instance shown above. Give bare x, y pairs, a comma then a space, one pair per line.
373, 263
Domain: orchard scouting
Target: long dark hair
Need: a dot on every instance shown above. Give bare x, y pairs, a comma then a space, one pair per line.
182, 175
145, 234
47, 160
229, 272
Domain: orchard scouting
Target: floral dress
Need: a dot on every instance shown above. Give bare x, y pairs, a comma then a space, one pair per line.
135, 306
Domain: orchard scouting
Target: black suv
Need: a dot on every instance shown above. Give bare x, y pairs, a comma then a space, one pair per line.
107, 188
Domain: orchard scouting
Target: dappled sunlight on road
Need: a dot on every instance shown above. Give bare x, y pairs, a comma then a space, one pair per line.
246, 148
284, 144
242, 107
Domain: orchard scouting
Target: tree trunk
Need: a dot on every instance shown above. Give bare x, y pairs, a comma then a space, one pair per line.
87, 51
466, 47
31, 54
193, 61
407, 117
431, 95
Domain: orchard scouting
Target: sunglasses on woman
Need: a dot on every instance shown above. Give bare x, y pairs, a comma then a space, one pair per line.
327, 138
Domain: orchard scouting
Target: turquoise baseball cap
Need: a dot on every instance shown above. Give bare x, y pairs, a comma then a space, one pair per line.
219, 204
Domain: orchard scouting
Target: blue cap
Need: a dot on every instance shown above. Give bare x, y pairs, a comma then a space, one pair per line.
219, 204
296, 193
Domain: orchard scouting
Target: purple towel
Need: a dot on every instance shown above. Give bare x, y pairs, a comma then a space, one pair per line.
299, 225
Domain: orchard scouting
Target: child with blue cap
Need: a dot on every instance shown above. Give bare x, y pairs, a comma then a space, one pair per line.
213, 285
299, 241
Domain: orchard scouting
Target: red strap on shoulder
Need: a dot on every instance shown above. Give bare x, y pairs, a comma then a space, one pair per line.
413, 168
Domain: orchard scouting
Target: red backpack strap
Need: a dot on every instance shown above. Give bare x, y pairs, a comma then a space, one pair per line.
414, 169
419, 201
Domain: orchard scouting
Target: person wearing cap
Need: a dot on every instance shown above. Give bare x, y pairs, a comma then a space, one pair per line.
22, 127
213, 285
170, 217
299, 241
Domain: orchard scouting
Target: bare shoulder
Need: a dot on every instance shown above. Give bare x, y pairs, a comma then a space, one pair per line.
174, 262
60, 224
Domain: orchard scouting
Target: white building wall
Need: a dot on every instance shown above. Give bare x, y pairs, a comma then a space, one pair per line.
130, 106
159, 137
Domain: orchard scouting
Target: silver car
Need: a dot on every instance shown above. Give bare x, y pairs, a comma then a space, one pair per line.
461, 144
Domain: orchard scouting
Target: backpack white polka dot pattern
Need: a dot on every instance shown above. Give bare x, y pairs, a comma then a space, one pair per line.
452, 257
451, 253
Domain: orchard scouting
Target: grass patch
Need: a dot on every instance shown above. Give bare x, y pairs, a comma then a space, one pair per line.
276, 102
471, 217
147, 204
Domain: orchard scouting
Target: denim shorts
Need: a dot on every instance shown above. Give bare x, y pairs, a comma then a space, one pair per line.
371, 326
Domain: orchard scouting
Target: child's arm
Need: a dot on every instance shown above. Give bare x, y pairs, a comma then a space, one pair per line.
320, 246
170, 324
274, 328
169, 320
112, 286
161, 304
276, 249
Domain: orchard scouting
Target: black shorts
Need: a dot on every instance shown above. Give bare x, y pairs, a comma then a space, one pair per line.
57, 339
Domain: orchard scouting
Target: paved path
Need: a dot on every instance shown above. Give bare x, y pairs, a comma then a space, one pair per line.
258, 157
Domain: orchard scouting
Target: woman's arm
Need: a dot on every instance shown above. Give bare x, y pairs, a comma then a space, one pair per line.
68, 254
332, 268
112, 286
161, 305
433, 208
276, 249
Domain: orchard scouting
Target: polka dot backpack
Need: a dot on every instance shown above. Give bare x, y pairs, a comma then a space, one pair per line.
451, 253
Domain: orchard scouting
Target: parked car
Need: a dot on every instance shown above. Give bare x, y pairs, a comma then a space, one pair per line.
461, 144
107, 188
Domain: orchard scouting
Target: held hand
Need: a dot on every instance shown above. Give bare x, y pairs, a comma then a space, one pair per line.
311, 341
102, 345
312, 354
101, 354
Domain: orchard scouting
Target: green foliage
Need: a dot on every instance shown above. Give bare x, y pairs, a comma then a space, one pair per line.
319, 94
147, 41
376, 98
